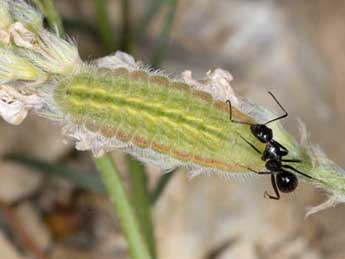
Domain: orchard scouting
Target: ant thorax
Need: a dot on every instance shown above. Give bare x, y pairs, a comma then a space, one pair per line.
273, 151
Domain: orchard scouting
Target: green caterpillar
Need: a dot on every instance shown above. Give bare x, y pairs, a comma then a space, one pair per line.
156, 119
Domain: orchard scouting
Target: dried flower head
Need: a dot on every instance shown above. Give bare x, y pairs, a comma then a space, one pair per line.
5, 16
16, 68
14, 106
51, 53
25, 14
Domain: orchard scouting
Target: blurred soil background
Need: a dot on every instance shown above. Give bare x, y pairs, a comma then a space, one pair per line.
294, 48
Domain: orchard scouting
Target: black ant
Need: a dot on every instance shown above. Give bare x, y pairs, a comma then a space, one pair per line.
264, 134
281, 179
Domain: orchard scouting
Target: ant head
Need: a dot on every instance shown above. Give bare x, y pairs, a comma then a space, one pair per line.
262, 132
286, 181
273, 165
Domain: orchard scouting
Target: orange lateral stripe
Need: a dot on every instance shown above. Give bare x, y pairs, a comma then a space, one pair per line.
236, 114
216, 164
181, 86
108, 132
203, 95
160, 148
123, 136
140, 142
180, 155
91, 126
159, 80
139, 75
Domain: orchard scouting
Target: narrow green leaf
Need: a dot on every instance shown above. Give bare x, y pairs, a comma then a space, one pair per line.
124, 210
84, 180
104, 25
126, 44
53, 16
163, 40
149, 14
160, 187
141, 202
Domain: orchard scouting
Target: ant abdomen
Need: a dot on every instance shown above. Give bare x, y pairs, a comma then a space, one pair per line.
286, 181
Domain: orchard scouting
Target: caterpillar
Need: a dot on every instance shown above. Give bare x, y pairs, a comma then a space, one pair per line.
159, 120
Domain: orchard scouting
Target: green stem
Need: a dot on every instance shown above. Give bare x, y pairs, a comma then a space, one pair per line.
128, 221
126, 44
141, 202
162, 183
164, 37
84, 180
104, 25
150, 13
53, 16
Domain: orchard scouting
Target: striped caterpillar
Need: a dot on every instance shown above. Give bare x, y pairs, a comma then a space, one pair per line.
159, 120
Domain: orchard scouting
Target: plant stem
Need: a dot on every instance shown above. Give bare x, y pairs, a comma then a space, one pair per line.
126, 44
141, 202
53, 16
104, 25
160, 187
159, 52
84, 180
124, 210
150, 13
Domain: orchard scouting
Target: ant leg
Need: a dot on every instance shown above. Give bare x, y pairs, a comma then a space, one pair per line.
235, 121
292, 160
274, 185
257, 172
281, 146
281, 107
250, 144
295, 170
265, 172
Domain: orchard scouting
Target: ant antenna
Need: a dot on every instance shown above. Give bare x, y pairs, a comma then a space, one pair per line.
235, 121
281, 107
